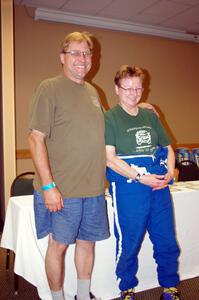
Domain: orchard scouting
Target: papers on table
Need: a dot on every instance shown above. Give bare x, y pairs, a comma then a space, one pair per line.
184, 186
176, 187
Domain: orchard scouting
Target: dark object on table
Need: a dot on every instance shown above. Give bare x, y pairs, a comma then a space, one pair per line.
188, 171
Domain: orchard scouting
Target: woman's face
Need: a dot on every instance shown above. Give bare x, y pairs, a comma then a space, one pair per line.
129, 91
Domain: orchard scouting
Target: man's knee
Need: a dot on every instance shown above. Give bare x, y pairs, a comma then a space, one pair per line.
85, 245
56, 246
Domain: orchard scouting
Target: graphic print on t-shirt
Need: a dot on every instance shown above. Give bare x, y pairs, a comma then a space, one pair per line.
143, 137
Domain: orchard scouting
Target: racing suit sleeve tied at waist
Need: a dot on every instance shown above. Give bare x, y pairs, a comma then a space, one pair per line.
143, 164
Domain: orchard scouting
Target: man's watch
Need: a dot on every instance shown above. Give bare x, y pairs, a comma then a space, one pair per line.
137, 177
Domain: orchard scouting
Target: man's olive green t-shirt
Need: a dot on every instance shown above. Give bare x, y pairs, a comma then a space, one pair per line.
70, 116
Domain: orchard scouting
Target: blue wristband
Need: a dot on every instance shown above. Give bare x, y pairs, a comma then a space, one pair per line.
48, 186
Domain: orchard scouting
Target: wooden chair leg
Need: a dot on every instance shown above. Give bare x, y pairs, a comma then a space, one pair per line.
16, 279
7, 259
16, 284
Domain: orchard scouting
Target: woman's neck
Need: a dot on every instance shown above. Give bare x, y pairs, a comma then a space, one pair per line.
133, 111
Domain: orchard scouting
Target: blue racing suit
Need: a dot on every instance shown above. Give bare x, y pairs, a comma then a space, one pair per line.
138, 208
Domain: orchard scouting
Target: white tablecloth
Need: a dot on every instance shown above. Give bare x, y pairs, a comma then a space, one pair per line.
19, 236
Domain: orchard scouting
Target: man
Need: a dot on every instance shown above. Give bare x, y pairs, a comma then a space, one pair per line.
67, 145
68, 149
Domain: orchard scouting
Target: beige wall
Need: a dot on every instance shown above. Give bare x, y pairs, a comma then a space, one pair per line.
173, 68
7, 81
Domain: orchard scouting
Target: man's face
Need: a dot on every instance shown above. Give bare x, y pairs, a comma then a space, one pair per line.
77, 61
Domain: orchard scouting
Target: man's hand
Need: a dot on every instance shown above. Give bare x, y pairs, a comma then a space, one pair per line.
149, 106
53, 200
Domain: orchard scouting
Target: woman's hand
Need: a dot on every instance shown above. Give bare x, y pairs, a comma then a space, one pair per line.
168, 176
157, 182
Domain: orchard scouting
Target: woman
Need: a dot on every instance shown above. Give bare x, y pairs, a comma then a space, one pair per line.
140, 164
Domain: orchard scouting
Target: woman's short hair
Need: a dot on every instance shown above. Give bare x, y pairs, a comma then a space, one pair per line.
126, 71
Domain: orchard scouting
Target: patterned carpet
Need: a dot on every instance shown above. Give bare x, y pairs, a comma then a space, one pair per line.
189, 288
26, 290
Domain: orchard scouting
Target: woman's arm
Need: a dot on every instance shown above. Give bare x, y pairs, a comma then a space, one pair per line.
170, 164
121, 167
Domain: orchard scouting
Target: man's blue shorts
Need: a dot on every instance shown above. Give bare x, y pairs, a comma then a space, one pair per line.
80, 218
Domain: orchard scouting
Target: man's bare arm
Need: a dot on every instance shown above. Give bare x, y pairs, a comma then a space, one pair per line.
53, 198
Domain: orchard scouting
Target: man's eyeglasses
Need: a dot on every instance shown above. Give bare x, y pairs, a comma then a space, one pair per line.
134, 90
78, 53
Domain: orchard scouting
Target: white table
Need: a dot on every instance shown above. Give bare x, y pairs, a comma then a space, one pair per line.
19, 236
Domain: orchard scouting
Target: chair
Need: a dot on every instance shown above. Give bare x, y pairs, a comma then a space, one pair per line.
21, 185
188, 171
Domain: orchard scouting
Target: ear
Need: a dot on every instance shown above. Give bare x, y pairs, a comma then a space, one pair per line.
62, 58
116, 89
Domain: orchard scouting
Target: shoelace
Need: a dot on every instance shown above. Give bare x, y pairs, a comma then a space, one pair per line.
175, 294
128, 295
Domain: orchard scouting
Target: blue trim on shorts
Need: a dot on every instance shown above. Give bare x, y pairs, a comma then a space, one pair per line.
81, 218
